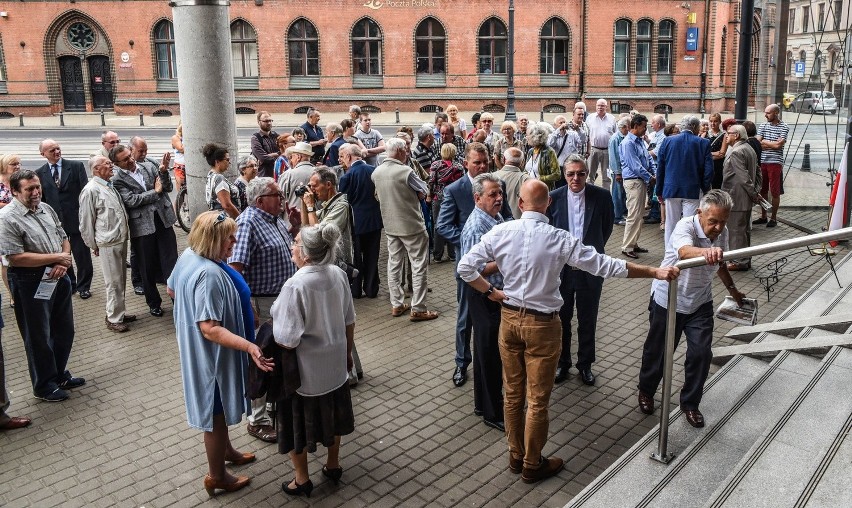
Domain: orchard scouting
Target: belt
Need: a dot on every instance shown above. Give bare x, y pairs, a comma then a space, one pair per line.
599, 148
632, 178
37, 270
530, 311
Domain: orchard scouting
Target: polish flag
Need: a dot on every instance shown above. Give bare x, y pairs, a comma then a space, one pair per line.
838, 199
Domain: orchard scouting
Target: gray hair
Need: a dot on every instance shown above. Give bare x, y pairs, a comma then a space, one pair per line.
581, 105
690, 123
424, 132
245, 161
355, 109
396, 147
624, 122
513, 156
321, 243
351, 148
575, 159
479, 182
659, 120
716, 198
326, 175
334, 128
95, 160
135, 141
258, 187
538, 133
742, 135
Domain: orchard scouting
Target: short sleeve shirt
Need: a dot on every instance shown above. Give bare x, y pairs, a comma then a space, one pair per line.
371, 140
24, 230
769, 132
217, 182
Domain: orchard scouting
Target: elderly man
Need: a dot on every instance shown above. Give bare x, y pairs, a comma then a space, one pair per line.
314, 135
108, 140
513, 176
298, 175
531, 254
684, 172
39, 256
62, 180
564, 140
104, 228
354, 113
739, 180
399, 190
619, 199
360, 190
601, 128
485, 314
145, 194
448, 135
772, 136
262, 255
139, 152
586, 212
701, 235
334, 135
264, 145
578, 124
424, 153
637, 173
370, 138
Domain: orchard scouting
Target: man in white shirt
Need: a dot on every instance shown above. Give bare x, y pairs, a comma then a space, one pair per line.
531, 254
601, 128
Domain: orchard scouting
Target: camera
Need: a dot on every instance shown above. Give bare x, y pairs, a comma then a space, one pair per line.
300, 190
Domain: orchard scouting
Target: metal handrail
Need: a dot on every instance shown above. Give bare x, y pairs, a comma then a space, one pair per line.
662, 454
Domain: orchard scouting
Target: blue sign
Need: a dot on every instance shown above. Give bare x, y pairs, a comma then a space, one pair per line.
800, 69
692, 39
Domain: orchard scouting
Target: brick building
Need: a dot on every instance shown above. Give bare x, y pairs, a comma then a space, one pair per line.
85, 55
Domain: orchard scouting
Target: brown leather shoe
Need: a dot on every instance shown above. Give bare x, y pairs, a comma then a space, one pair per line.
546, 469
211, 485
129, 318
516, 465
646, 403
402, 309
426, 315
16, 422
116, 327
263, 432
244, 459
694, 417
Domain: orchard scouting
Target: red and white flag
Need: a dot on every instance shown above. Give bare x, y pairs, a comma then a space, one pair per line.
838, 199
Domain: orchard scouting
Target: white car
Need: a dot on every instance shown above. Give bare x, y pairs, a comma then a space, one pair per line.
815, 102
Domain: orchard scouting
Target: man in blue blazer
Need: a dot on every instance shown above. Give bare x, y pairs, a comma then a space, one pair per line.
367, 219
456, 207
585, 211
64, 197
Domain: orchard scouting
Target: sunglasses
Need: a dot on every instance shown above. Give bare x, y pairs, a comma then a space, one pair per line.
220, 218
572, 174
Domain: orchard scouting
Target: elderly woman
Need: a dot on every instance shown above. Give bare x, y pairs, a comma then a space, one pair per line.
213, 317
541, 159
704, 128
282, 163
458, 122
740, 167
248, 170
442, 173
9, 163
220, 193
314, 315
508, 130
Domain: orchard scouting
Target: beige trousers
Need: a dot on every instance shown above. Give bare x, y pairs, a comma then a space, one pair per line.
635, 191
416, 248
113, 259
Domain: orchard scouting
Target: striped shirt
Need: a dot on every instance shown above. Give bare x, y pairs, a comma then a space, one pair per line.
769, 132
263, 248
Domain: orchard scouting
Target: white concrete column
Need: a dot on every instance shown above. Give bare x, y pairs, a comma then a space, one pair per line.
205, 87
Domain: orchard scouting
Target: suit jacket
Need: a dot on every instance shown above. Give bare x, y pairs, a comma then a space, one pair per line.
738, 176
361, 193
597, 219
143, 203
65, 199
457, 206
684, 166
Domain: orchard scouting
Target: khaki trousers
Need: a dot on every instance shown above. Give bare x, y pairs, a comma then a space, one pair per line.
416, 248
113, 259
599, 159
635, 190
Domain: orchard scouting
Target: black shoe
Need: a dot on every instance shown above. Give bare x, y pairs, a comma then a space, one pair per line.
640, 250
460, 376
561, 374
770, 224
587, 377
57, 395
85, 295
478, 412
138, 290
305, 488
72, 382
156, 312
761, 220
651, 221
333, 474
494, 425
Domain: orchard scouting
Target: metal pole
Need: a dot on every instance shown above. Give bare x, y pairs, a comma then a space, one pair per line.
848, 212
510, 66
662, 454
744, 60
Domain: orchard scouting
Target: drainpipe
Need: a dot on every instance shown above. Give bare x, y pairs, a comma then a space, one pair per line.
583, 29
703, 93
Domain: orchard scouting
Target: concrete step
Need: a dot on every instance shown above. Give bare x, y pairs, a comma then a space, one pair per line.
696, 473
634, 471
777, 469
829, 484
821, 295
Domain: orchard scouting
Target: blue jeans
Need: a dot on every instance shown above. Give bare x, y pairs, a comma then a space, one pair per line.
619, 200
463, 323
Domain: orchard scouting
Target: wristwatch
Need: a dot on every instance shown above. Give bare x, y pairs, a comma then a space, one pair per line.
310, 209
490, 289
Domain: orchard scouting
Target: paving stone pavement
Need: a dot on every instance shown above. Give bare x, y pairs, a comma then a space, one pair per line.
122, 440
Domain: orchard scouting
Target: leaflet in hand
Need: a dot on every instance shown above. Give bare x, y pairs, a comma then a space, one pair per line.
730, 311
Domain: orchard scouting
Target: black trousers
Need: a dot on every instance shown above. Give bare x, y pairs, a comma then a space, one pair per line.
488, 368
156, 256
366, 252
81, 278
698, 328
584, 290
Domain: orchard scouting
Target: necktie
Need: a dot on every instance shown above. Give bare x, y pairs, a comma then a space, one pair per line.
55, 168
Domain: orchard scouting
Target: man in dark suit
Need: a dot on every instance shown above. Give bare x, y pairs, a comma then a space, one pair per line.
456, 207
62, 181
585, 211
367, 219
146, 198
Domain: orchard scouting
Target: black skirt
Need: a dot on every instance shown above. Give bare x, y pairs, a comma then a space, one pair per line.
303, 422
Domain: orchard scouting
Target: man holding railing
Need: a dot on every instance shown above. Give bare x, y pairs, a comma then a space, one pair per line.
701, 235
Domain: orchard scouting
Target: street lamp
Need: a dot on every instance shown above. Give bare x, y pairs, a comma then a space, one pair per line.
510, 66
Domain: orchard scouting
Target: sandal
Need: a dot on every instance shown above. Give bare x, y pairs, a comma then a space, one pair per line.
426, 315
402, 309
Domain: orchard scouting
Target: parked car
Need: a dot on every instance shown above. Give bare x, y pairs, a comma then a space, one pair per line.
815, 102
788, 99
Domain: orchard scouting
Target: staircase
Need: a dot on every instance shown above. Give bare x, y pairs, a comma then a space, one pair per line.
778, 413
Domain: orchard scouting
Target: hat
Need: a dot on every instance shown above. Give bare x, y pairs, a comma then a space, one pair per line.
302, 148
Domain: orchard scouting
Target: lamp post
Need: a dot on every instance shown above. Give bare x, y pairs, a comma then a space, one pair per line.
510, 66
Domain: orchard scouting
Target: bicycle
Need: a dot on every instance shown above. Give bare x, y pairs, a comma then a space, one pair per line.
182, 209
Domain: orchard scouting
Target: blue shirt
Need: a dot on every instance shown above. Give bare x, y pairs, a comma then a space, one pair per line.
263, 248
245, 298
614, 155
478, 223
636, 162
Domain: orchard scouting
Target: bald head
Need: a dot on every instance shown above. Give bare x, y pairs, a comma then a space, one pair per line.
535, 196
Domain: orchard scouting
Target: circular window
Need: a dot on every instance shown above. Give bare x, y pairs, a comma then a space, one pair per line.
81, 36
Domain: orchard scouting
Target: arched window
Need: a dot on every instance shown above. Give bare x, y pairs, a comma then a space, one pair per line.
430, 41
554, 47
493, 47
621, 47
303, 48
366, 48
243, 50
164, 48
643, 46
665, 44
817, 67
791, 63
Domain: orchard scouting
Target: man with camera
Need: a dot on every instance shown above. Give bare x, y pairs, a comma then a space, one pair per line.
299, 175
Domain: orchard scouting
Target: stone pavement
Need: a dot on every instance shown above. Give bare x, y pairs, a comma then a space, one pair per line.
122, 440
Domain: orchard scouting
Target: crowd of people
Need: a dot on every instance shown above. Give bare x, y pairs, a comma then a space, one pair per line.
296, 237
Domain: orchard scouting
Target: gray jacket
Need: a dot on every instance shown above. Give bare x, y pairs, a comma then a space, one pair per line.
142, 204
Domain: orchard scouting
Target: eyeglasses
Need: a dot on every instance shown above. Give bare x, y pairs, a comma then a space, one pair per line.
279, 194
734, 133
578, 174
